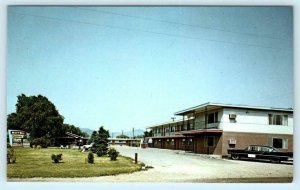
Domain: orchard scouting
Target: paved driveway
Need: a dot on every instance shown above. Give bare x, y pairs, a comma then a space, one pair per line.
170, 165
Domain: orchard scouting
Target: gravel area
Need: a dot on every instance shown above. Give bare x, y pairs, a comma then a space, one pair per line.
177, 166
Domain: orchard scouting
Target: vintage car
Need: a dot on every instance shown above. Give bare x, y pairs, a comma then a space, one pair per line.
260, 152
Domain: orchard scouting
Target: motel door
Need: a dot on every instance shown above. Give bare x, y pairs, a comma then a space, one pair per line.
190, 144
176, 144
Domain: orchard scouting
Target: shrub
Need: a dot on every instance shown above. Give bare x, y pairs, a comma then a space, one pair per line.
90, 158
42, 141
11, 157
56, 158
8, 146
100, 150
113, 154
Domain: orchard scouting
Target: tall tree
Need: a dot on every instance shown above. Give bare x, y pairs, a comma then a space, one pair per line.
148, 134
36, 115
100, 140
122, 136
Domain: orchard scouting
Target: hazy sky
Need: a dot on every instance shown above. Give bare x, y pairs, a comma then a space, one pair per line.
125, 67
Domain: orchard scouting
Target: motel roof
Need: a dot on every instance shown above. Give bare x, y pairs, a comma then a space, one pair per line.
211, 106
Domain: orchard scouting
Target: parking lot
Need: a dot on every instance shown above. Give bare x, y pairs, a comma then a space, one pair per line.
177, 166
174, 166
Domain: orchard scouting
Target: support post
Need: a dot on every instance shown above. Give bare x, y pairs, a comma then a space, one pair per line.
136, 158
183, 122
205, 125
194, 122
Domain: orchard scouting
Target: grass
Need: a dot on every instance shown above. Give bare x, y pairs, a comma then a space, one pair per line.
37, 163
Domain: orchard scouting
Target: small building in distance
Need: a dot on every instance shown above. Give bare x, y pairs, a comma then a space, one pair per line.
213, 128
71, 140
125, 141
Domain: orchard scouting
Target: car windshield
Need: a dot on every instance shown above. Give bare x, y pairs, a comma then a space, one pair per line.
261, 148
274, 150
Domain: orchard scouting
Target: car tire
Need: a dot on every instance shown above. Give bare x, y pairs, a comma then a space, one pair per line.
235, 157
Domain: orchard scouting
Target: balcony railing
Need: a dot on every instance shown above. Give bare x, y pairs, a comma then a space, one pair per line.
187, 127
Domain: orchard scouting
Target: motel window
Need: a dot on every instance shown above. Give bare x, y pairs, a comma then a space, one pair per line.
181, 128
209, 141
280, 143
172, 129
212, 117
278, 119
191, 126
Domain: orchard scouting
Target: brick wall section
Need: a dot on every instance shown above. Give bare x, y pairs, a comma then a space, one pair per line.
202, 149
245, 139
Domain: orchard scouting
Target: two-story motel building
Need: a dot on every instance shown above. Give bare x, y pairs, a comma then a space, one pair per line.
212, 128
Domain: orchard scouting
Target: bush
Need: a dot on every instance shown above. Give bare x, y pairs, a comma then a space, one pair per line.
113, 154
56, 158
8, 146
100, 150
11, 157
90, 158
42, 141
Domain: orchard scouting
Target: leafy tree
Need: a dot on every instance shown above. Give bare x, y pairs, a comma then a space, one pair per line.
42, 141
122, 136
100, 138
36, 115
148, 134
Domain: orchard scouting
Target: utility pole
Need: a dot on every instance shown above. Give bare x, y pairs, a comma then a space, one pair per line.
133, 132
122, 132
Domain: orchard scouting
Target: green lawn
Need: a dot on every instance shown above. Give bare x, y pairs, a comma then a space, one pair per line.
37, 163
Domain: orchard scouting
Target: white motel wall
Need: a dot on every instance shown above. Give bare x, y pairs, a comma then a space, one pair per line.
254, 121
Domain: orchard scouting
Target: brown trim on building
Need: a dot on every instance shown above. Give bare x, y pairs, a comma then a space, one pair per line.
195, 132
169, 137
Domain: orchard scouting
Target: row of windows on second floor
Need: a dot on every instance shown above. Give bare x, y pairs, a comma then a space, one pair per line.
212, 122
167, 130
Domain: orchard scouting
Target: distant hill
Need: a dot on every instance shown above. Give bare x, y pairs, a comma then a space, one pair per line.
127, 133
87, 130
114, 134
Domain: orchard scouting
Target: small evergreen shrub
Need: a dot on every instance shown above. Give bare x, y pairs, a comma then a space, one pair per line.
113, 154
90, 158
42, 141
101, 150
11, 157
56, 157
